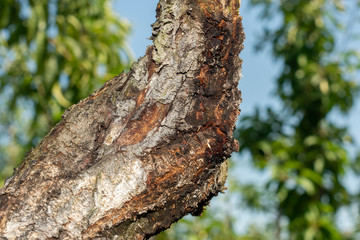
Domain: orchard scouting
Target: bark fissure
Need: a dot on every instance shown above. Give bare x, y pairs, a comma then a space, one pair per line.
147, 148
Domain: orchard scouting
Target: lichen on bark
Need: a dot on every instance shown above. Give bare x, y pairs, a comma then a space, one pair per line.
147, 148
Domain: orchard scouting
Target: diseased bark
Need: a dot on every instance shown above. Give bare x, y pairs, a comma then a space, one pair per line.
148, 147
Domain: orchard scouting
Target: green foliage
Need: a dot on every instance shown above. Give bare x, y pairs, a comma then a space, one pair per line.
52, 54
303, 151
202, 228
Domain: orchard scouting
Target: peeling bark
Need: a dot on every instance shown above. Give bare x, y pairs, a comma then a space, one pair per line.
147, 148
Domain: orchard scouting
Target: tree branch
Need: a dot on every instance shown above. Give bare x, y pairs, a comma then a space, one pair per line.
148, 147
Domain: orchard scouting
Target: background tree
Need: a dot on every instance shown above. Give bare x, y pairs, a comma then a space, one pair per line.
52, 54
302, 150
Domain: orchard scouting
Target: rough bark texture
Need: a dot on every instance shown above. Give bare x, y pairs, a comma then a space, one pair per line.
148, 147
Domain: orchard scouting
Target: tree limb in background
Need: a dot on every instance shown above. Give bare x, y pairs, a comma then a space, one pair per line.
148, 147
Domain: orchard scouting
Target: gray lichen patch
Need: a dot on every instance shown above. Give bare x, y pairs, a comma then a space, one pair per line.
118, 184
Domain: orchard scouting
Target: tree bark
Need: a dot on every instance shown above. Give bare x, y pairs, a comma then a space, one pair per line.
147, 148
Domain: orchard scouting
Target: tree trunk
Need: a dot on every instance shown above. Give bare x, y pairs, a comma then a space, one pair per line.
147, 148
